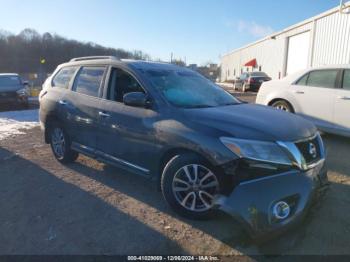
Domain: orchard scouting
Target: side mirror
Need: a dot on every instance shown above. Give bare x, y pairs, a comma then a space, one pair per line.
25, 83
136, 99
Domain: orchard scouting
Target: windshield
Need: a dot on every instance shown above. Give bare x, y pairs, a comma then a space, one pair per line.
261, 74
188, 89
6, 81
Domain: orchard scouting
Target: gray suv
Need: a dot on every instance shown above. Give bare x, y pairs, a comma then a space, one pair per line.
205, 149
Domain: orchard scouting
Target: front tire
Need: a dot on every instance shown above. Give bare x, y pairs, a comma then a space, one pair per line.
189, 185
60, 144
283, 105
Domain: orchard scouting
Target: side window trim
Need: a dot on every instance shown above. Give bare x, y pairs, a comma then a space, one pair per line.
342, 78
54, 76
106, 83
106, 93
72, 78
339, 79
71, 83
100, 89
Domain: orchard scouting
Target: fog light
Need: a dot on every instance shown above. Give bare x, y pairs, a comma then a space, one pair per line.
281, 210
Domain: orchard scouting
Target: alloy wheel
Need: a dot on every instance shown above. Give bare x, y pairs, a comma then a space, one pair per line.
58, 142
281, 106
194, 187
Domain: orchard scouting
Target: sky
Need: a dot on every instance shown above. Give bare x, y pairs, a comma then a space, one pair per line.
199, 31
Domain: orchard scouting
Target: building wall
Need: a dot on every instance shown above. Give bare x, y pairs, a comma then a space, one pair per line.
332, 41
329, 44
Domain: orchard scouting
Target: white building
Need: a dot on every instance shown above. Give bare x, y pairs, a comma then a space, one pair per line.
320, 40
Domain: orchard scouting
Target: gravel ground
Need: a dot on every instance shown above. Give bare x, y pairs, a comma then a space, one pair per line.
90, 208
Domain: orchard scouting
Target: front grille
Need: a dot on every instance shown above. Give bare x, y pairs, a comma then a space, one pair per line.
310, 149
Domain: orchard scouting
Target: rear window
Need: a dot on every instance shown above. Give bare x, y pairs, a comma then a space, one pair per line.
259, 74
64, 76
9, 81
88, 81
243, 76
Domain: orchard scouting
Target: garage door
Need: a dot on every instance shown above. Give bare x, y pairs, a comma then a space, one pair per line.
298, 52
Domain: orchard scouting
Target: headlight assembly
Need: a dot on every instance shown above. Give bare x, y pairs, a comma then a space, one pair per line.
257, 150
22, 92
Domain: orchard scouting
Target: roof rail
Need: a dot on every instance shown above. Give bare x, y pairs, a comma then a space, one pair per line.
93, 58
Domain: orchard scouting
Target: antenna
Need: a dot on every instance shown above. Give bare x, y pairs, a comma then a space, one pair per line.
344, 8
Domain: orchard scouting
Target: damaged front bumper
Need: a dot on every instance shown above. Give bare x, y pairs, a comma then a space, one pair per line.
252, 202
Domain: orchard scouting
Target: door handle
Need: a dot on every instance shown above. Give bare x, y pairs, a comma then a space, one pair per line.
103, 114
62, 102
299, 92
344, 97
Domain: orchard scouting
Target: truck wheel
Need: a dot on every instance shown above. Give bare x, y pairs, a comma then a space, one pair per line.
189, 185
60, 144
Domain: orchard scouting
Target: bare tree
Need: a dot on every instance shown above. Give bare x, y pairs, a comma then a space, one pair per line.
31, 52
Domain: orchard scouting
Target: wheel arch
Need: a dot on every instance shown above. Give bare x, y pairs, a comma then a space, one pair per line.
48, 121
226, 181
281, 99
170, 154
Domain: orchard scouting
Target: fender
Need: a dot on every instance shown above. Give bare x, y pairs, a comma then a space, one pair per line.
285, 95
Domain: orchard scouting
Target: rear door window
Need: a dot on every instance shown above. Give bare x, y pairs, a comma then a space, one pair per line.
64, 76
323, 78
346, 80
89, 80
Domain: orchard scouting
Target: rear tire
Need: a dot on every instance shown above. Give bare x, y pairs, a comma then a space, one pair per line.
61, 144
189, 185
283, 105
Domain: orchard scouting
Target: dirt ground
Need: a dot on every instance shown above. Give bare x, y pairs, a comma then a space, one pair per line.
90, 208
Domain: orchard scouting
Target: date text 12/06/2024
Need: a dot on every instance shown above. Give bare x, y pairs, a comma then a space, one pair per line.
173, 258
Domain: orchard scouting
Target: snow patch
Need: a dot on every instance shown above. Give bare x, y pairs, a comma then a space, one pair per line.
15, 122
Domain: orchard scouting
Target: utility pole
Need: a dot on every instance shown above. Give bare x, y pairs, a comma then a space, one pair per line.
171, 57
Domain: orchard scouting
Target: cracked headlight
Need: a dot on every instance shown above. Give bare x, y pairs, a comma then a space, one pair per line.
257, 150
